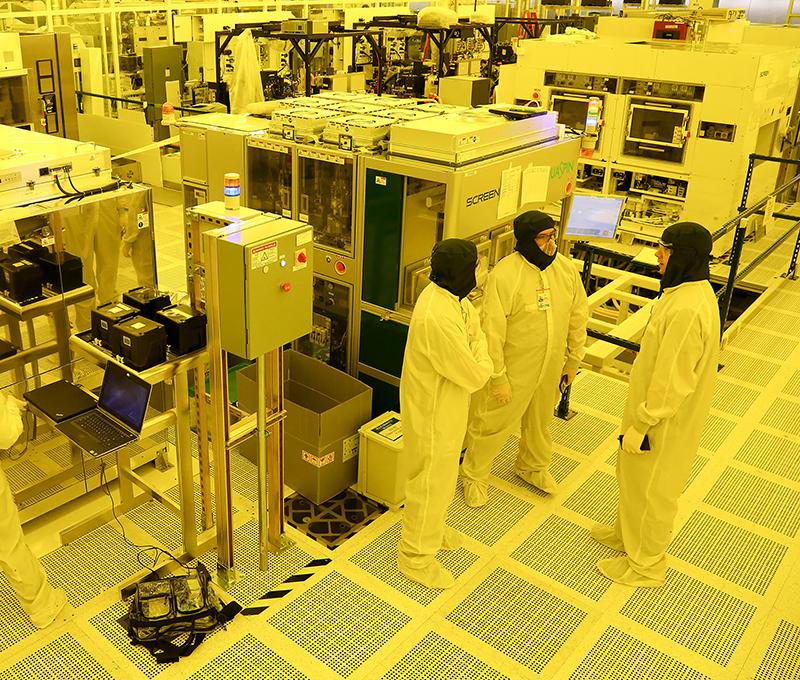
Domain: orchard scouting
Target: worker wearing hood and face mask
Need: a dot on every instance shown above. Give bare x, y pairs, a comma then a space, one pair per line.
534, 315
671, 386
40, 601
445, 361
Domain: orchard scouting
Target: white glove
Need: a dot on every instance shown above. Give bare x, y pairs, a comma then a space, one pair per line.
632, 441
501, 393
569, 373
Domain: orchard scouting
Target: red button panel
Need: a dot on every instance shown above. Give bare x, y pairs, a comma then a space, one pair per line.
340, 267
286, 287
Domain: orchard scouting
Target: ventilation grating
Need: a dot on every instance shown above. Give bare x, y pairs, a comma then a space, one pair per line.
503, 468
61, 455
773, 320
715, 432
728, 551
693, 614
248, 658
783, 415
32, 500
158, 522
379, 558
785, 299
618, 655
565, 552
599, 392
435, 657
14, 625
792, 387
64, 658
244, 477
596, 498
108, 625
22, 475
748, 369
518, 619
73, 567
491, 522
733, 399
583, 434
758, 500
782, 660
698, 464
339, 622
773, 454
764, 344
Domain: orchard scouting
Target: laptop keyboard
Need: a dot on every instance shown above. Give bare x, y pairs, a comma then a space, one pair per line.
101, 427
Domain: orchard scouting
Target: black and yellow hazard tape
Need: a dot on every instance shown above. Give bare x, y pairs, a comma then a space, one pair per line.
263, 603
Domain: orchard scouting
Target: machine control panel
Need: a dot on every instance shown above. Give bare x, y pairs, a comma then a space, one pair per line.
581, 81
663, 90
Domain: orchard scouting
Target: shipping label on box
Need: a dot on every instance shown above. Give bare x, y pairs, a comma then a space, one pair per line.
350, 448
318, 461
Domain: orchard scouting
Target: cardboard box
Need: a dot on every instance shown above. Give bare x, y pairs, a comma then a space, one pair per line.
325, 409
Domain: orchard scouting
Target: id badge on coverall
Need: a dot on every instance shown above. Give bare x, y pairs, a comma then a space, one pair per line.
543, 299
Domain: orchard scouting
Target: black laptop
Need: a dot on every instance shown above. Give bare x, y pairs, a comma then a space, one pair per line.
61, 400
117, 419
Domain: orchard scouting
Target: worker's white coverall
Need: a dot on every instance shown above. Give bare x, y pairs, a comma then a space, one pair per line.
671, 387
445, 361
535, 325
24, 572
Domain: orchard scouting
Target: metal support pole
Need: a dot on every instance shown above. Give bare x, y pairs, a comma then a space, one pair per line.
747, 180
275, 450
586, 274
736, 254
261, 434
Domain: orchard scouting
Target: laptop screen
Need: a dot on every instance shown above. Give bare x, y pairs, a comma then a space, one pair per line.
124, 395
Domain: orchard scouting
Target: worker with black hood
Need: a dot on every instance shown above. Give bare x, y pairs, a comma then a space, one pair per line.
671, 387
534, 315
445, 362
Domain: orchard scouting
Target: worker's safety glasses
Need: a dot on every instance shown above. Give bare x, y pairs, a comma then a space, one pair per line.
546, 236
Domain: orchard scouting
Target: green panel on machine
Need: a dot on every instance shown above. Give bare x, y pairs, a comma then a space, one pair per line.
383, 223
383, 343
385, 397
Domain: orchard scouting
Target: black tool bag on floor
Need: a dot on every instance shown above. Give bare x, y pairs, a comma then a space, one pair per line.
170, 617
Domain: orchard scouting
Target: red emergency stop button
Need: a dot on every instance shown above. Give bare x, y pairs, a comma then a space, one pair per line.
302, 258
340, 267
286, 287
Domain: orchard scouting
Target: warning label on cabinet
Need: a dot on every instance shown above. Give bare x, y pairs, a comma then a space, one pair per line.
390, 429
263, 255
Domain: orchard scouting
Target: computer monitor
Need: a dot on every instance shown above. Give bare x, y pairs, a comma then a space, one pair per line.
594, 217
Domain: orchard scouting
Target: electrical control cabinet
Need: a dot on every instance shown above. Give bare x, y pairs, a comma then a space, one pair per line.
265, 282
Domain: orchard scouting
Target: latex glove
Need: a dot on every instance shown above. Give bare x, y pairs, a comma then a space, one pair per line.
126, 249
568, 373
632, 441
501, 393
22, 405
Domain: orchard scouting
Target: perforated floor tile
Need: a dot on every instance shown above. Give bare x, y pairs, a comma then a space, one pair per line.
784, 415
74, 567
159, 522
600, 392
14, 625
339, 622
253, 582
732, 398
772, 453
573, 566
23, 474
503, 468
771, 319
244, 477
715, 432
174, 494
763, 502
491, 522
583, 434
782, 660
518, 619
693, 614
379, 558
107, 624
63, 658
728, 551
248, 658
435, 658
748, 369
618, 655
596, 498
793, 386
765, 344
